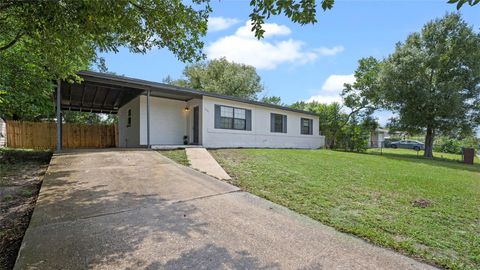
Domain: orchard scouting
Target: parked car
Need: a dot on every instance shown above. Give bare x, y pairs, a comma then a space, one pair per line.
408, 144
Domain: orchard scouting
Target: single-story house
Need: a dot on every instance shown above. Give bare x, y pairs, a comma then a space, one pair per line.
155, 114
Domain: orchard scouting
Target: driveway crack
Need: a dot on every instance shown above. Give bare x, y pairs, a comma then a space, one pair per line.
207, 196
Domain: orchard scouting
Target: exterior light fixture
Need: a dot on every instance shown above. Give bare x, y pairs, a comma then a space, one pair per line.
187, 109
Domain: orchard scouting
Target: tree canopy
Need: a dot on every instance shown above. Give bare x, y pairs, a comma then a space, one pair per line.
275, 100
222, 77
431, 81
45, 40
460, 3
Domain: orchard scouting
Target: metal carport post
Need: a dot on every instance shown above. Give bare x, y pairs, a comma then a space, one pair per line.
148, 118
59, 116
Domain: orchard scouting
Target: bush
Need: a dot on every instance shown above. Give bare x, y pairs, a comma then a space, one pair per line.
353, 138
454, 146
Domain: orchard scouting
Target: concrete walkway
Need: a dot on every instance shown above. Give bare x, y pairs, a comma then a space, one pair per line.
200, 159
139, 210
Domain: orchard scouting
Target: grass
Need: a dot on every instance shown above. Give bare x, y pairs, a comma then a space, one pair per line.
428, 209
406, 153
178, 155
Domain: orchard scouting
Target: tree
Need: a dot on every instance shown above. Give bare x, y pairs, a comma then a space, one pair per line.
370, 124
460, 3
272, 100
299, 105
431, 80
331, 118
89, 118
25, 86
222, 77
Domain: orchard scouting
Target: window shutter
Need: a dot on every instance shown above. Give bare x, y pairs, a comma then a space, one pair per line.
217, 116
284, 124
248, 119
311, 127
272, 122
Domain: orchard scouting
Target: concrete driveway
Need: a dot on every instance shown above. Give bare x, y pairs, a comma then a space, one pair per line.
136, 209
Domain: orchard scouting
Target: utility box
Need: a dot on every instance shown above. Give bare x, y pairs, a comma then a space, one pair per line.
468, 155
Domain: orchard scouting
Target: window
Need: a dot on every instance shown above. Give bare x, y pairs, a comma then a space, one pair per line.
232, 118
306, 127
278, 123
129, 118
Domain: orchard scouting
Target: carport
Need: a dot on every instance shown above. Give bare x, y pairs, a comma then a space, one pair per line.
106, 93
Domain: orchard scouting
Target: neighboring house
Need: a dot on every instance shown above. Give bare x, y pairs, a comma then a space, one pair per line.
214, 121
377, 138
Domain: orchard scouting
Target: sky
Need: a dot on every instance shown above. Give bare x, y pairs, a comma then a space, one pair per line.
300, 63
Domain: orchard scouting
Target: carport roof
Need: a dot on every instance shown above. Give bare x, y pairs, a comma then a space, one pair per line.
103, 92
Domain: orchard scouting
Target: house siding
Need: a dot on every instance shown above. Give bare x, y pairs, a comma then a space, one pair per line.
168, 121
129, 136
260, 134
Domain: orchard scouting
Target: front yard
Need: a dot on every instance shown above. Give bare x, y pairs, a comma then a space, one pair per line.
21, 174
428, 209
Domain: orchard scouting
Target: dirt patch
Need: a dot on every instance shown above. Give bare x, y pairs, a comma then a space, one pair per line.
21, 175
422, 203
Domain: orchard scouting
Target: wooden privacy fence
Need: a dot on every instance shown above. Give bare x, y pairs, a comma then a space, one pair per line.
43, 135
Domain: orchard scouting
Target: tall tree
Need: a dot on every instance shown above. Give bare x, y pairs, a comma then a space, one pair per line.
275, 100
431, 80
331, 118
222, 77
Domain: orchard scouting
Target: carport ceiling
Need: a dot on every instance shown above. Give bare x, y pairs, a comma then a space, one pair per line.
105, 93
95, 97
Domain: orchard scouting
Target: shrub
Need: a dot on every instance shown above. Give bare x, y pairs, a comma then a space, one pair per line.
454, 146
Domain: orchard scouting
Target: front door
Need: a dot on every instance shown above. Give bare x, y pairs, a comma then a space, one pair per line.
195, 124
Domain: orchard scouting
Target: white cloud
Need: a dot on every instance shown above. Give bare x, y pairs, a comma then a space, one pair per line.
271, 29
220, 23
335, 83
331, 89
325, 99
243, 47
325, 51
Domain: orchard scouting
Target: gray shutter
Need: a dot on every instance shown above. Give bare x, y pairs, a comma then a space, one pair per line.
217, 116
272, 122
284, 124
248, 119
311, 127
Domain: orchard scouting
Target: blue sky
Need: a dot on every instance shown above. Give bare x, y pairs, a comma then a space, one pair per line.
296, 62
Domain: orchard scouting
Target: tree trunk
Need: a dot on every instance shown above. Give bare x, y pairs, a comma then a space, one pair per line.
429, 143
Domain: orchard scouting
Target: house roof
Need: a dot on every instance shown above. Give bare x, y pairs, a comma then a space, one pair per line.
103, 92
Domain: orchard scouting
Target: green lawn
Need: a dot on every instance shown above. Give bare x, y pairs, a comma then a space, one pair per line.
429, 209
177, 155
